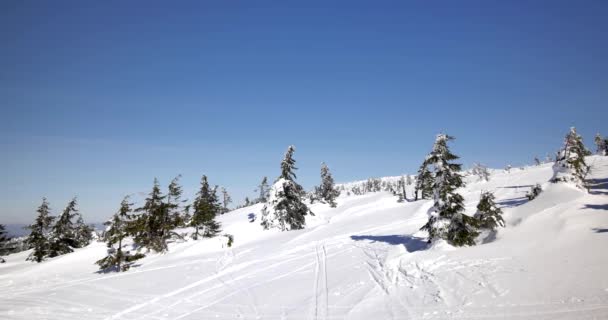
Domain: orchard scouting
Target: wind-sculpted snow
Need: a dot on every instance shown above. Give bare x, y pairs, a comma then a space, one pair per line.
364, 259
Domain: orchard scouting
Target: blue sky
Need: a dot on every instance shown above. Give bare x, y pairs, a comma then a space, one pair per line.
98, 98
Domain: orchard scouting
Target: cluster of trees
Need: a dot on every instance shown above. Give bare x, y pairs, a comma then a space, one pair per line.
3, 240
50, 239
153, 225
601, 144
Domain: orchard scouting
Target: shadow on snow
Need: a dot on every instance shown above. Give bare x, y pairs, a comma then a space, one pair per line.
598, 186
410, 243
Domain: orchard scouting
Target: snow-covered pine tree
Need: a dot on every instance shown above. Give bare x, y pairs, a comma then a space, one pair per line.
263, 191
247, 202
481, 172
226, 200
570, 163
205, 209
117, 229
488, 215
3, 240
601, 144
284, 209
148, 228
83, 233
446, 218
38, 238
424, 182
327, 190
63, 236
536, 161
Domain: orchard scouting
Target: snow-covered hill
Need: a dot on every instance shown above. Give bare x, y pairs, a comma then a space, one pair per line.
362, 260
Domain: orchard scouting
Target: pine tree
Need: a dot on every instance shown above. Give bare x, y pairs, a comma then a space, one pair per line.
83, 233
117, 230
327, 190
570, 161
481, 172
247, 202
488, 215
38, 238
205, 207
226, 199
63, 237
446, 218
3, 240
424, 182
601, 144
263, 190
536, 161
149, 227
284, 209
175, 216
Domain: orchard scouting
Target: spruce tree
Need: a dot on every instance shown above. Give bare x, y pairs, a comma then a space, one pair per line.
263, 190
148, 228
117, 229
63, 236
536, 161
488, 215
175, 215
446, 218
205, 209
3, 240
601, 144
570, 163
38, 238
327, 190
83, 233
424, 182
285, 209
226, 200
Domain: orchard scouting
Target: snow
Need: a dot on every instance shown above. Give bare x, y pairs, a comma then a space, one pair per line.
364, 259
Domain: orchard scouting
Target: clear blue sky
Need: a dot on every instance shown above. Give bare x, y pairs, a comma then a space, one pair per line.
99, 97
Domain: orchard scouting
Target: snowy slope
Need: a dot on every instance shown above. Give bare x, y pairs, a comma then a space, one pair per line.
362, 260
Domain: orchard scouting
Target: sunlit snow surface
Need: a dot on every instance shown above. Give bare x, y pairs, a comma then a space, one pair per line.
362, 260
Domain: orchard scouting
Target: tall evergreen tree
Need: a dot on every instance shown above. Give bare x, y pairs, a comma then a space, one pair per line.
570, 161
226, 200
285, 209
488, 215
327, 190
262, 189
175, 215
117, 229
38, 238
424, 182
63, 236
446, 218
148, 228
205, 209
83, 233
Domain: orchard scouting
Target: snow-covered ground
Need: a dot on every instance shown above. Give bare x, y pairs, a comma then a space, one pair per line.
362, 260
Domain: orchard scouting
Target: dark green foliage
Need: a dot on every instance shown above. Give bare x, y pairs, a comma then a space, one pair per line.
117, 230
446, 218
67, 234
327, 190
534, 192
285, 209
488, 215
3, 240
150, 227
424, 182
63, 239
205, 208
175, 215
38, 238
